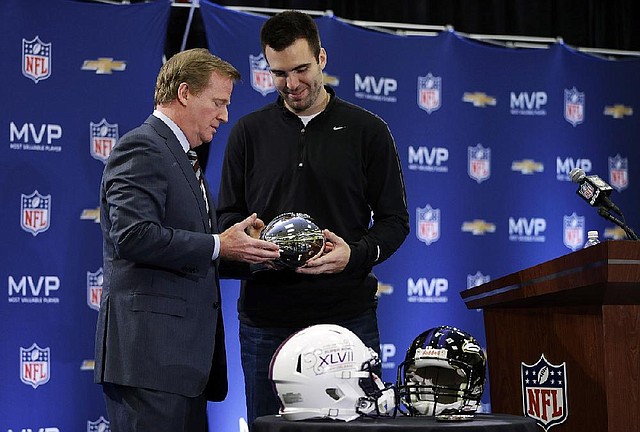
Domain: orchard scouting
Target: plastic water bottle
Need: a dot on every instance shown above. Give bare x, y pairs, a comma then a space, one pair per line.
592, 239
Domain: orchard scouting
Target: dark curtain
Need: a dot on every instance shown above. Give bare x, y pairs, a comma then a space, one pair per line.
604, 24
607, 24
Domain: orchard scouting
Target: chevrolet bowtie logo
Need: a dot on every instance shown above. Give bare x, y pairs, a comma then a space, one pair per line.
478, 227
479, 99
104, 65
527, 166
331, 80
615, 233
618, 111
384, 288
88, 365
91, 214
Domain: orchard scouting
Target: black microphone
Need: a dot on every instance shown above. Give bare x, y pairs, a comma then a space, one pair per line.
602, 211
596, 192
593, 190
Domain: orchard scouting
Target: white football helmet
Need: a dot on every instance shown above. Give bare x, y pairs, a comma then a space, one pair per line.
324, 371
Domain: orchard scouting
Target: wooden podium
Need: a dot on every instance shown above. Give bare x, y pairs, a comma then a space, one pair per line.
582, 309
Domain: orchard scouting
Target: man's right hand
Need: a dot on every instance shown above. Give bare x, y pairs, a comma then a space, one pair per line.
237, 245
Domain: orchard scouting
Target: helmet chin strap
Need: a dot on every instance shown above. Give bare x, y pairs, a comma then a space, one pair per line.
387, 402
433, 408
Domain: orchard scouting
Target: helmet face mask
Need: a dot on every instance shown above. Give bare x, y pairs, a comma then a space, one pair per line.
380, 399
443, 375
325, 371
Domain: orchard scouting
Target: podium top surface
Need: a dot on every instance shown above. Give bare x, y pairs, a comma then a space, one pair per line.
481, 423
607, 273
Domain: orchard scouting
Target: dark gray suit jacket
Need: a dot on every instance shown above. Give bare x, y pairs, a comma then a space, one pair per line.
160, 322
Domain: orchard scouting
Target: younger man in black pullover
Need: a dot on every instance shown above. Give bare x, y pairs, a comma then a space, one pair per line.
313, 153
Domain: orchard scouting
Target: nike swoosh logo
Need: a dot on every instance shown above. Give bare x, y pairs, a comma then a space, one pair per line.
338, 127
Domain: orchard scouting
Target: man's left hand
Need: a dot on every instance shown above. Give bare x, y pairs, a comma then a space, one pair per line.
333, 260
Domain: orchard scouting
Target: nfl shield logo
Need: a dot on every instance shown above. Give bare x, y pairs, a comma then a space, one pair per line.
573, 231
573, 106
479, 167
36, 59
94, 289
544, 392
261, 80
477, 280
100, 425
34, 365
429, 92
34, 211
104, 137
428, 224
618, 172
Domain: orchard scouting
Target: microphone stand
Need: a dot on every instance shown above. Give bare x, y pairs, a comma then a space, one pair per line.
602, 211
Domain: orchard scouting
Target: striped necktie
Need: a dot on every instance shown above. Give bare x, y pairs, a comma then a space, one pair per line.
195, 164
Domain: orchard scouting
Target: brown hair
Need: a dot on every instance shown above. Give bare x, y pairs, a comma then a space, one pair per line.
193, 67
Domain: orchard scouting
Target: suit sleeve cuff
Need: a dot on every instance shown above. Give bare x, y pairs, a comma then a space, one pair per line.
216, 247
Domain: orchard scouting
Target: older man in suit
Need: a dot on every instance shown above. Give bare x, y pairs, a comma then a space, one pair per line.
160, 340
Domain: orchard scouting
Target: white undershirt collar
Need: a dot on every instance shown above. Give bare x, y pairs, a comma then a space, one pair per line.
174, 128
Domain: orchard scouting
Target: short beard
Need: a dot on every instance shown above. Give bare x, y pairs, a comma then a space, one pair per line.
309, 102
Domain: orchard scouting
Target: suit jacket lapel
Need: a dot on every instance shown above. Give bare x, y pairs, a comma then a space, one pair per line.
185, 165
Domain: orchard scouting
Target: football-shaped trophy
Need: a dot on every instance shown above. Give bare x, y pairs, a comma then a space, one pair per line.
298, 237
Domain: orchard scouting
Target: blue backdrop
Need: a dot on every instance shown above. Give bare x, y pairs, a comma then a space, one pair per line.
75, 76
487, 137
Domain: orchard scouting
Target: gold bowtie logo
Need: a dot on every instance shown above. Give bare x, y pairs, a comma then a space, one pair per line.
479, 99
527, 166
618, 111
104, 65
478, 227
91, 214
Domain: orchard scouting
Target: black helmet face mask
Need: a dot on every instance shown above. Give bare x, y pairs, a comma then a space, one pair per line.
443, 375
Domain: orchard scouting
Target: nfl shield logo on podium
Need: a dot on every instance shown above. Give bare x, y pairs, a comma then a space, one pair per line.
544, 392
